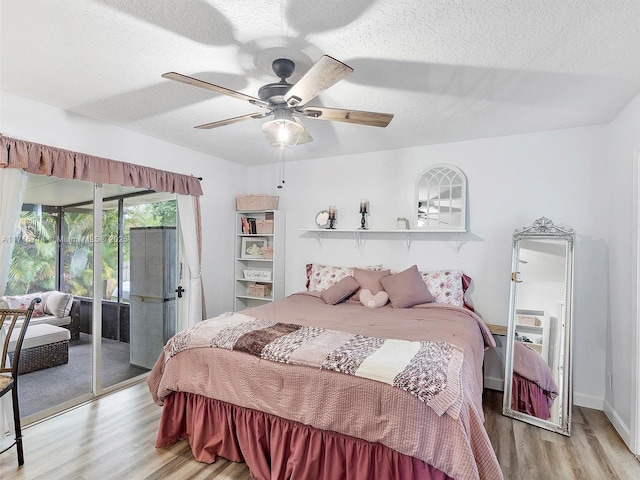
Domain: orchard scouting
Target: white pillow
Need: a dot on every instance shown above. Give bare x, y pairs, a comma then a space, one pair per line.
58, 304
370, 300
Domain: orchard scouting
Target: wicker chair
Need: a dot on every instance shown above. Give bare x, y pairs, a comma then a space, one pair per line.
9, 375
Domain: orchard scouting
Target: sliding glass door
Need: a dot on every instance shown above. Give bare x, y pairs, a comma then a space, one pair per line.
83, 239
139, 308
55, 252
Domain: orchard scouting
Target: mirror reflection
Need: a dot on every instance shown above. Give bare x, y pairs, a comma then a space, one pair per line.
442, 199
537, 376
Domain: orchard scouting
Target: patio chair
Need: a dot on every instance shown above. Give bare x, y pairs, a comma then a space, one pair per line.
9, 374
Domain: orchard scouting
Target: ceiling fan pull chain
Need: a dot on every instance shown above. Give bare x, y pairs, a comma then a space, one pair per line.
281, 184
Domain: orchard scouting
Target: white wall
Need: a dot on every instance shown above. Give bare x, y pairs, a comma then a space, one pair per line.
511, 182
222, 180
621, 321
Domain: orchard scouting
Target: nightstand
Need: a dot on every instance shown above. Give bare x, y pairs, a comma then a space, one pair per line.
497, 329
493, 366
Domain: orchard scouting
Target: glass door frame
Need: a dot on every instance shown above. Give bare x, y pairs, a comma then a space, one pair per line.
97, 388
96, 327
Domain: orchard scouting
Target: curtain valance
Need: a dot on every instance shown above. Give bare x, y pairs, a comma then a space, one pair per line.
46, 160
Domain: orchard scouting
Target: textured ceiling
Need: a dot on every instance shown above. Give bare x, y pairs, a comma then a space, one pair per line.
450, 70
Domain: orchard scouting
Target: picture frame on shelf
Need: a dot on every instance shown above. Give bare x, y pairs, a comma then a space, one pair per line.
252, 247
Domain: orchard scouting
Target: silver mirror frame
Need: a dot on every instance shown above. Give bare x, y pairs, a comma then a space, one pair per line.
543, 228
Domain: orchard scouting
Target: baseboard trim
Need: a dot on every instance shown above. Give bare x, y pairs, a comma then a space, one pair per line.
494, 383
588, 401
623, 430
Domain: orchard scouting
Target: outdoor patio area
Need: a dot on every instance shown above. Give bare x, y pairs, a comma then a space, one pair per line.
49, 387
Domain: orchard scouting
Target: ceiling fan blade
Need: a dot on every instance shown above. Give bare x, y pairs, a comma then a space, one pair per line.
372, 119
229, 121
178, 77
324, 73
305, 137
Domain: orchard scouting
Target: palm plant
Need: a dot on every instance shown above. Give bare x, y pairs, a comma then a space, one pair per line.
33, 263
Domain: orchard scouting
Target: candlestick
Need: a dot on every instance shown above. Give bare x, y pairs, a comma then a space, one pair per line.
332, 216
363, 221
363, 205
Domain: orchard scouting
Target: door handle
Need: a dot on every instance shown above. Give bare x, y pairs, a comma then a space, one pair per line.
179, 291
515, 277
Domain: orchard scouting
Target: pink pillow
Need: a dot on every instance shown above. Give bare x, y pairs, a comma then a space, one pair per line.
340, 291
370, 279
406, 288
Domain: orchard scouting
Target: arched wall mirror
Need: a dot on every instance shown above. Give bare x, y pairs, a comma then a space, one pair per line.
538, 385
442, 199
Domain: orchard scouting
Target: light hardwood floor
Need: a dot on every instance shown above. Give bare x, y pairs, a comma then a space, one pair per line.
114, 437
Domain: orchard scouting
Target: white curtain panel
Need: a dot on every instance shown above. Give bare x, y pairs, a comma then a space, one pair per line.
188, 213
13, 183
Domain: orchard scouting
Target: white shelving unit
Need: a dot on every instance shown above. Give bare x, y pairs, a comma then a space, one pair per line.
273, 277
536, 335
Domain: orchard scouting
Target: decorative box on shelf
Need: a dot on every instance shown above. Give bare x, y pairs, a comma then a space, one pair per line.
248, 203
264, 226
267, 252
264, 275
260, 290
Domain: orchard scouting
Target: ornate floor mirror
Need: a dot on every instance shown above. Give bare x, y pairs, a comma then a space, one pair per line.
538, 385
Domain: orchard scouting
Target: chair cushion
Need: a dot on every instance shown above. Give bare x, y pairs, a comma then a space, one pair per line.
37, 335
47, 319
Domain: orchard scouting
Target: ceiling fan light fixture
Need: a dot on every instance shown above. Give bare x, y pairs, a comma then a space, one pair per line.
286, 101
282, 132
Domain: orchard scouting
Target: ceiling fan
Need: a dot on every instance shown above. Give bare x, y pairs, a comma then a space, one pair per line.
286, 102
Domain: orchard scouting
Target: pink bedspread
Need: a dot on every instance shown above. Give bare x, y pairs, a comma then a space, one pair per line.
529, 364
326, 399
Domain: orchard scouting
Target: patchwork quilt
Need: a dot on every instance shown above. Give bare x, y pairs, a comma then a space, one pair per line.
429, 370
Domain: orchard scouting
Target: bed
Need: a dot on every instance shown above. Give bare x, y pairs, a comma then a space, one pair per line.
533, 388
290, 418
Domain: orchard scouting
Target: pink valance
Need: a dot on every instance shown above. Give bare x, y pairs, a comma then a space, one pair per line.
278, 449
57, 162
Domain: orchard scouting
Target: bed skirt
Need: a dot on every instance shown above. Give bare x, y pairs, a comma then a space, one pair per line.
527, 397
279, 449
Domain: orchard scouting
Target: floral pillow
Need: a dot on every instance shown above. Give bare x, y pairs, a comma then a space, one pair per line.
447, 286
22, 302
320, 277
325, 276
